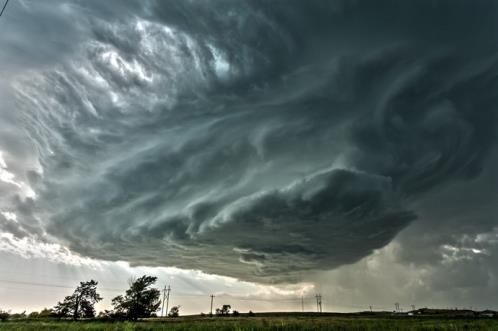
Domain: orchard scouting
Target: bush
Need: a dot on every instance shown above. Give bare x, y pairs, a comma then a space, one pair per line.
46, 312
174, 312
4, 315
18, 316
34, 314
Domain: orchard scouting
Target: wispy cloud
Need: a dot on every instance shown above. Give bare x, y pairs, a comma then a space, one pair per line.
251, 140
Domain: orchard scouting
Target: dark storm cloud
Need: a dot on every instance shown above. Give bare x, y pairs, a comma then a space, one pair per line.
31, 33
258, 139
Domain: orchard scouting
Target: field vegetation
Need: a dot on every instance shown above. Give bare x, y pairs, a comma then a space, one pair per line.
281, 323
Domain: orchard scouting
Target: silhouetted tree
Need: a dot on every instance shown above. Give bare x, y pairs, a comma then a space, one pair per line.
140, 299
81, 302
34, 314
174, 312
224, 311
106, 315
18, 316
4, 315
46, 312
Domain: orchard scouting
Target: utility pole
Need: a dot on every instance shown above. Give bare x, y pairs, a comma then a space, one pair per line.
371, 308
166, 291
162, 306
211, 311
318, 303
167, 299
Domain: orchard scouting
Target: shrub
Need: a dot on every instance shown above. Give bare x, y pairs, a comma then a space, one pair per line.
174, 312
34, 314
4, 315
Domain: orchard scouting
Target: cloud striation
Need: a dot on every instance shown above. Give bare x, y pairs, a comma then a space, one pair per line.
254, 139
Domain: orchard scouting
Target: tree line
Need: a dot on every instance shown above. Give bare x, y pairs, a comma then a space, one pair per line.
141, 300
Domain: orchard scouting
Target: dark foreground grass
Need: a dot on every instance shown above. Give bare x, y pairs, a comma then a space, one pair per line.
264, 324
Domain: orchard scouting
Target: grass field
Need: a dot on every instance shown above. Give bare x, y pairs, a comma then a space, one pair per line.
264, 323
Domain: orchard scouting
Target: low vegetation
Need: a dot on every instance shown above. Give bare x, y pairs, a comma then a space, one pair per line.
291, 323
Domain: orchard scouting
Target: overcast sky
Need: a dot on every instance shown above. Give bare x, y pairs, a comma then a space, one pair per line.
258, 150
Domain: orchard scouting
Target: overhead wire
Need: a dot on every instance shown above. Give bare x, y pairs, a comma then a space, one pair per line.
179, 294
8, 281
184, 294
3, 8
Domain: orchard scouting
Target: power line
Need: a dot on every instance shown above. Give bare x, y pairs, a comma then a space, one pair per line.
166, 293
182, 294
4, 6
294, 300
34, 284
52, 285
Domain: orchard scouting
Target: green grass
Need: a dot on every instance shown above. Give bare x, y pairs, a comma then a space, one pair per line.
263, 323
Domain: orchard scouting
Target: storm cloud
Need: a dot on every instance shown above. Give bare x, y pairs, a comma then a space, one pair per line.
254, 139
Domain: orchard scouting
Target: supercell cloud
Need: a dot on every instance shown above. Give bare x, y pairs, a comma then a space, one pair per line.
254, 139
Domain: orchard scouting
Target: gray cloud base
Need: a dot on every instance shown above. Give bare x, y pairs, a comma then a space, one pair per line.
258, 139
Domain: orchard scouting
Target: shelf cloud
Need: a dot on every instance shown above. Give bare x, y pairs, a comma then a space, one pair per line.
255, 139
